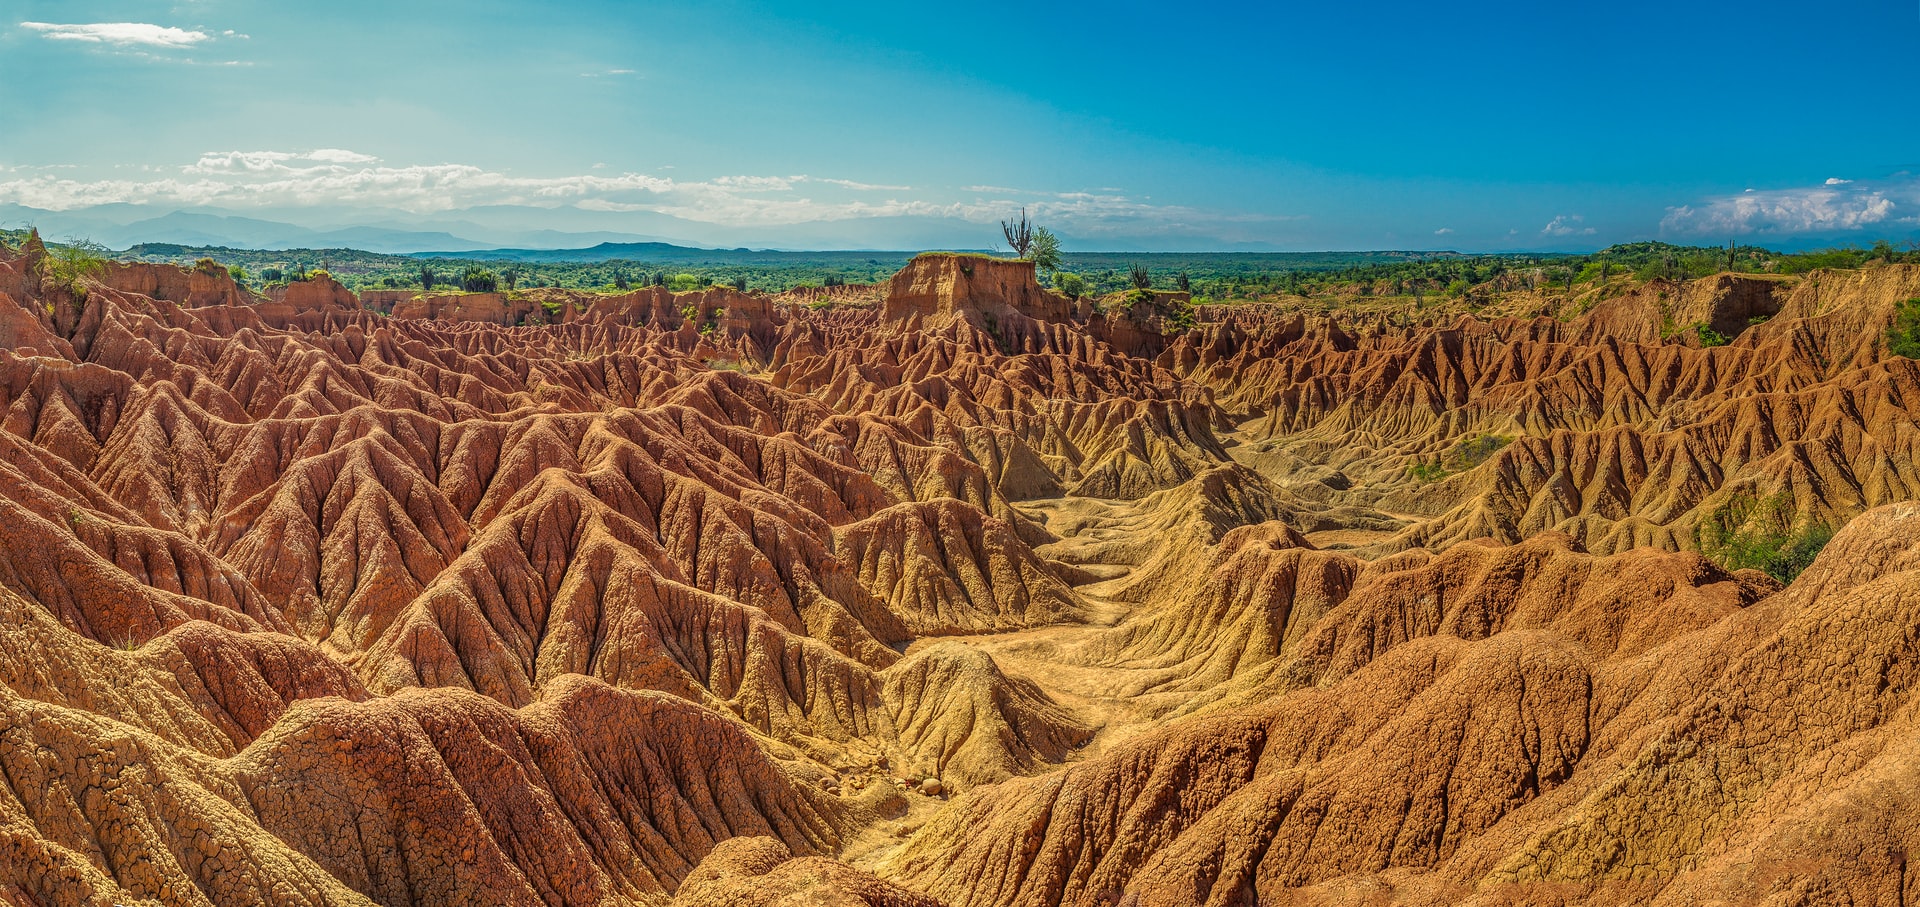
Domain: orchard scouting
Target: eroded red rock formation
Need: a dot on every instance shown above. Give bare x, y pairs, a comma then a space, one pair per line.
676, 598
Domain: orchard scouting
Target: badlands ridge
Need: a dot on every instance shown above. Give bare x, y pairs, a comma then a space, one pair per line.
974, 595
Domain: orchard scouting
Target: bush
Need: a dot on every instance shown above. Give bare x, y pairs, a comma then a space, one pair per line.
1427, 472
1179, 314
1045, 251
476, 279
1071, 284
1759, 534
1708, 336
1471, 452
1903, 338
72, 264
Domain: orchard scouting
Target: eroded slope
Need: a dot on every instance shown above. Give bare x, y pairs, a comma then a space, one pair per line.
667, 596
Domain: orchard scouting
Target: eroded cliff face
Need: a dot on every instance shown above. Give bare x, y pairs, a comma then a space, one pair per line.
980, 595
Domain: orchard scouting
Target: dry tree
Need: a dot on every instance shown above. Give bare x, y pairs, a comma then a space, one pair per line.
1020, 235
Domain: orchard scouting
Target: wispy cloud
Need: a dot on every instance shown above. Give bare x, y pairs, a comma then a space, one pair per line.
340, 156
1443, 231
336, 176
863, 187
319, 160
1567, 225
120, 34
1835, 206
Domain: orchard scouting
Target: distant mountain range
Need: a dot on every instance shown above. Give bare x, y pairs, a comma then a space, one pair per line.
510, 228
123, 226
655, 252
571, 234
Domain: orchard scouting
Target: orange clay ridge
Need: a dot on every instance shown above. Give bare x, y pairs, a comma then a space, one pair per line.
948, 591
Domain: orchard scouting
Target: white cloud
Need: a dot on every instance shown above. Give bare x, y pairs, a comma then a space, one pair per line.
340, 156
120, 34
1834, 206
1443, 231
759, 183
215, 162
863, 187
337, 177
1566, 225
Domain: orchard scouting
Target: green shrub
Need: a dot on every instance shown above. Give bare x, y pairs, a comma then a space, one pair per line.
1045, 251
476, 279
1179, 314
1903, 338
1470, 452
1424, 471
73, 264
1760, 534
1708, 336
1071, 284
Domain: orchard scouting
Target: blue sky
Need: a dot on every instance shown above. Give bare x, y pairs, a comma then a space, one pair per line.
1124, 125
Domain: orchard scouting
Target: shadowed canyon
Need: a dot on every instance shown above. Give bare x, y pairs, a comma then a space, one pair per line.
950, 591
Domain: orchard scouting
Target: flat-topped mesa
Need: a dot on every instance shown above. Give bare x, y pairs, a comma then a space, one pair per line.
1143, 322
191, 287
697, 311
492, 308
315, 294
937, 288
